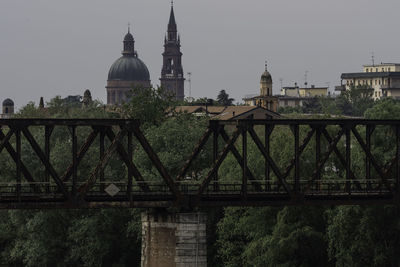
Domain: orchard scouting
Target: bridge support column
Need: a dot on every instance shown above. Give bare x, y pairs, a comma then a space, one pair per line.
174, 239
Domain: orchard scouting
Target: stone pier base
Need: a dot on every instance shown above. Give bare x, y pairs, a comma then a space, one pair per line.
174, 239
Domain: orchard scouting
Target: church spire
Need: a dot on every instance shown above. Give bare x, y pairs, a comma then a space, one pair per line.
172, 24
172, 79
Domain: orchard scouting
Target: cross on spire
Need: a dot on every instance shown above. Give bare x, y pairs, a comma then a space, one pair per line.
266, 65
129, 27
172, 2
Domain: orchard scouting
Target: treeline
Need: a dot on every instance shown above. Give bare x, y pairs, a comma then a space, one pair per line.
262, 236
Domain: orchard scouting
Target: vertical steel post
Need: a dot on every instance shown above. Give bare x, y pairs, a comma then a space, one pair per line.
102, 136
318, 153
215, 152
47, 133
348, 158
18, 144
130, 154
297, 159
397, 160
267, 150
368, 133
74, 160
244, 153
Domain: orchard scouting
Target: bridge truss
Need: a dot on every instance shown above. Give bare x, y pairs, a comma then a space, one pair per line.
332, 162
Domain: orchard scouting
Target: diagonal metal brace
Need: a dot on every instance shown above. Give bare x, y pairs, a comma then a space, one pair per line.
46, 163
274, 167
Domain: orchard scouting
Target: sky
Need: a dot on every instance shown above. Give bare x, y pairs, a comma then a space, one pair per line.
54, 47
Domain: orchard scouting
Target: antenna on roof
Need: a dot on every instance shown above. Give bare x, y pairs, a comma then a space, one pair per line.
305, 78
373, 58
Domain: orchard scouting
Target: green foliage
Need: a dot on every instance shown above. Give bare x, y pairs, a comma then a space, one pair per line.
386, 108
364, 236
288, 110
223, 99
150, 105
173, 141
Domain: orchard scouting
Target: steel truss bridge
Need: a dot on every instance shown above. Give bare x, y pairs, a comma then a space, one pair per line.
322, 169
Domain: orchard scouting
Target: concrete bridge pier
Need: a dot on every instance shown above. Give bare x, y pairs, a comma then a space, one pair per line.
174, 239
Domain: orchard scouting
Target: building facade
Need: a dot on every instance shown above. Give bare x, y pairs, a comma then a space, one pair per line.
313, 91
8, 108
126, 72
172, 79
382, 79
266, 98
294, 96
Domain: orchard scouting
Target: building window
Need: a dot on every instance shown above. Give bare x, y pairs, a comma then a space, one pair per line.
383, 69
367, 70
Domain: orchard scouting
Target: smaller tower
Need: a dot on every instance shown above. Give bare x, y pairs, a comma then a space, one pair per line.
8, 108
266, 83
129, 44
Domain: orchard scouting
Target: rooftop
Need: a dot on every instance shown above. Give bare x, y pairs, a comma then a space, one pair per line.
381, 64
369, 75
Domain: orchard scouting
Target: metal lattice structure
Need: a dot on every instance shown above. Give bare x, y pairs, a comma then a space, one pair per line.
321, 169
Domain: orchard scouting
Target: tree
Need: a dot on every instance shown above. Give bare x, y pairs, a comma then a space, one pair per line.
360, 98
223, 99
368, 235
312, 105
150, 105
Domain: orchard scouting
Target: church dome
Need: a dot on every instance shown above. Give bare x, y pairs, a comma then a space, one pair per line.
128, 68
266, 76
8, 102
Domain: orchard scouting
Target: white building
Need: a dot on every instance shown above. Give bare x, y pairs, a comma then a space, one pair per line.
383, 80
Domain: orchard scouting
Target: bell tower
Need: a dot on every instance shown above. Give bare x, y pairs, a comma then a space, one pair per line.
172, 79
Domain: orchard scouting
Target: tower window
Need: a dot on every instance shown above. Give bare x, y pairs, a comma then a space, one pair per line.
6, 111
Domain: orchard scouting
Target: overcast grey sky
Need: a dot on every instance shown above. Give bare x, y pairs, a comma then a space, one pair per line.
53, 47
